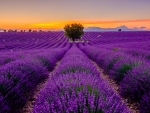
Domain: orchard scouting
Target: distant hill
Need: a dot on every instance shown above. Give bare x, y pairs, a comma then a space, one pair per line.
1, 30
123, 28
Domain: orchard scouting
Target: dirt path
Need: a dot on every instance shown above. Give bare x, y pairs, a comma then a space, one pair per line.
132, 106
32, 98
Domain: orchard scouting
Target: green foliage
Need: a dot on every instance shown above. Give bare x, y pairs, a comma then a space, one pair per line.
123, 70
74, 31
74, 69
2, 89
112, 62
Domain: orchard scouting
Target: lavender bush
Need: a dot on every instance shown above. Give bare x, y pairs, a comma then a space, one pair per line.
117, 53
121, 67
115, 64
3, 105
19, 79
103, 57
77, 62
49, 58
145, 103
136, 82
78, 93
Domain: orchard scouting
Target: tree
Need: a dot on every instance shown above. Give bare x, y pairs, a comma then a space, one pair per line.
74, 31
30, 30
10, 30
119, 30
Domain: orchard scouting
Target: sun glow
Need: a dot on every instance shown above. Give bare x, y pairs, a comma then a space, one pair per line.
95, 23
57, 25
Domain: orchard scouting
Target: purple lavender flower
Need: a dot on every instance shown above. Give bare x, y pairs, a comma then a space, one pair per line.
136, 82
145, 103
76, 90
78, 93
19, 79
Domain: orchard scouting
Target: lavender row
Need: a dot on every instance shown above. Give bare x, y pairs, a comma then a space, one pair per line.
26, 41
136, 49
132, 74
137, 52
77, 87
7, 57
19, 78
98, 38
142, 45
49, 58
77, 63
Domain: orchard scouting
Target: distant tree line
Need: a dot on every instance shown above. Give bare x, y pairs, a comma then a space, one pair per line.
30, 30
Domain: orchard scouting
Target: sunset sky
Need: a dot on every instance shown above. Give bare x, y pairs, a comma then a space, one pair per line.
54, 14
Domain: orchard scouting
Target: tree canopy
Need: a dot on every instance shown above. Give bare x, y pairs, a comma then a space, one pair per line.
74, 31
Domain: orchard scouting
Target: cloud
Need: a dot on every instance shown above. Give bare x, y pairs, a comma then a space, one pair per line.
118, 21
123, 28
143, 27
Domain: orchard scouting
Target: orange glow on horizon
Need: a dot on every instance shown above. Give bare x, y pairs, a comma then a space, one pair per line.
56, 25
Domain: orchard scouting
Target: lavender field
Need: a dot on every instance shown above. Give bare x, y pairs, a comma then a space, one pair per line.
105, 72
